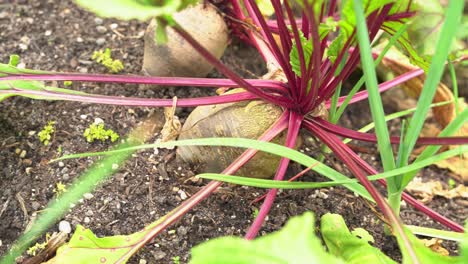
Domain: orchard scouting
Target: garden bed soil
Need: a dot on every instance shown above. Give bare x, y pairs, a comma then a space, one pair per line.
58, 36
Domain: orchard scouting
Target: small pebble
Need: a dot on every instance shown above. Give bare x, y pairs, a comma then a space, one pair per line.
139, 206
21, 65
88, 196
98, 21
78, 39
3, 15
61, 164
115, 166
159, 255
99, 41
83, 116
23, 154
86, 220
183, 195
23, 46
26, 40
101, 29
142, 261
48, 32
98, 120
66, 177
89, 213
35, 205
64, 226
114, 26
32, 133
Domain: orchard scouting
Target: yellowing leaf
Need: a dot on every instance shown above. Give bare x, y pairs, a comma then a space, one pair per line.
435, 244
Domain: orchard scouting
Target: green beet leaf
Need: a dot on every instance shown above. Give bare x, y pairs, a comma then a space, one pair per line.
134, 9
294, 244
343, 244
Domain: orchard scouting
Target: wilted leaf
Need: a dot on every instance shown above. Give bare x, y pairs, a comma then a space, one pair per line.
427, 190
55, 241
435, 244
172, 126
426, 255
399, 64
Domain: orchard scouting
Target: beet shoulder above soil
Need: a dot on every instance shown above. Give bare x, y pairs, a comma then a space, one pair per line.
56, 35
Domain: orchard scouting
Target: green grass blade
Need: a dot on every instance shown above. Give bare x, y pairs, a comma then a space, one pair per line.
389, 117
375, 101
447, 35
281, 151
432, 232
243, 143
58, 207
453, 76
449, 130
265, 183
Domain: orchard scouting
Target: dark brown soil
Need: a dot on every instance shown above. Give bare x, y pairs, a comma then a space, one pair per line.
56, 35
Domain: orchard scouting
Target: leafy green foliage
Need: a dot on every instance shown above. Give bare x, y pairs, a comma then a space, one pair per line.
295, 243
342, 243
176, 260
134, 9
325, 28
98, 132
307, 49
363, 234
60, 189
266, 7
32, 251
46, 133
105, 58
14, 60
348, 17
425, 28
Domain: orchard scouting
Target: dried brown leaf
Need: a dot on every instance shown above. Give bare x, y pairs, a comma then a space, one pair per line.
435, 244
426, 191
